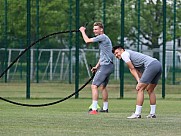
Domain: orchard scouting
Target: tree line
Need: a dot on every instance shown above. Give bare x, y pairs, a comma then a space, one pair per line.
58, 15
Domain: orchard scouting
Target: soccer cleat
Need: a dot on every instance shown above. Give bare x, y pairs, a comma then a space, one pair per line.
134, 116
93, 112
90, 110
105, 111
151, 116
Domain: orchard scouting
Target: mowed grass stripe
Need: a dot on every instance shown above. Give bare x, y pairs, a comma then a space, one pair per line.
70, 118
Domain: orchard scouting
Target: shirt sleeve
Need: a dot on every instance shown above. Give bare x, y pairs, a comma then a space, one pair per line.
125, 56
98, 38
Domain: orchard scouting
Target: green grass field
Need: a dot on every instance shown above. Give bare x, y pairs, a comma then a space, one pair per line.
70, 118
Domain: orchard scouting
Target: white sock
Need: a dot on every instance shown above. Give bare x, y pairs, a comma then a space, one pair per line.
152, 109
94, 105
105, 105
138, 109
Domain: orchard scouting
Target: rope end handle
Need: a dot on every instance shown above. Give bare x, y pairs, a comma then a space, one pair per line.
91, 68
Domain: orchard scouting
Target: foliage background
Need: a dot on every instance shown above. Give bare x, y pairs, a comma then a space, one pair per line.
54, 16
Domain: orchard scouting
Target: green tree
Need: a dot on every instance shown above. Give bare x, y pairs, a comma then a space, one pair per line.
54, 16
151, 18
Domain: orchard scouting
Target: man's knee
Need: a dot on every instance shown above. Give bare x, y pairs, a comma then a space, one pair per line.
150, 88
141, 86
102, 88
94, 87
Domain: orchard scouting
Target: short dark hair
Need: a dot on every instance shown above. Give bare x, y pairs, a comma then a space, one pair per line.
100, 24
117, 47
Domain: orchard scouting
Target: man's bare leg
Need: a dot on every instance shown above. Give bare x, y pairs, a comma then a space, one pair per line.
150, 89
95, 95
104, 98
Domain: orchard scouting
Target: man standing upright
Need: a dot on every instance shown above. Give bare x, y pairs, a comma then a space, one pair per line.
103, 68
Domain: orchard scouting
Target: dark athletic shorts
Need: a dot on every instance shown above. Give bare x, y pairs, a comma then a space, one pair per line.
102, 75
152, 73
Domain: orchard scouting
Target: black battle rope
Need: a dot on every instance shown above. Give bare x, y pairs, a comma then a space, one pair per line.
46, 104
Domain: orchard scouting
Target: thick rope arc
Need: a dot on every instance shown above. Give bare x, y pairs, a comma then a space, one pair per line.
46, 104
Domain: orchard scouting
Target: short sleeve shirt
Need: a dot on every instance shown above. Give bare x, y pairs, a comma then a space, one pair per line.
139, 60
105, 47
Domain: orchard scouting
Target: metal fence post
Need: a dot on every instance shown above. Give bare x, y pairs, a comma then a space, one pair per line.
174, 36
70, 42
28, 52
37, 37
122, 43
5, 36
77, 50
164, 48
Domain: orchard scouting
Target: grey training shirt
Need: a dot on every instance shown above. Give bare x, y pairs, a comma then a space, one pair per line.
139, 60
105, 47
